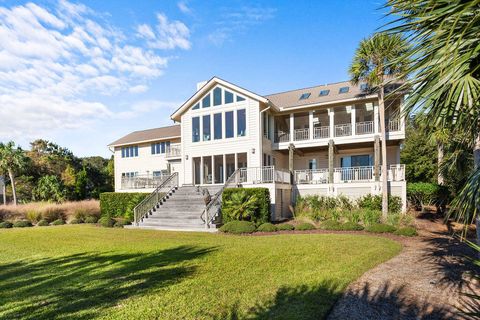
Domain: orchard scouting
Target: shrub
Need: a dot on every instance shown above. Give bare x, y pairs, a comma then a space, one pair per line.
33, 215
305, 226
368, 216
43, 223
238, 227
347, 226
331, 225
422, 194
106, 222
53, 213
76, 221
353, 216
374, 202
249, 204
266, 227
91, 219
380, 228
81, 214
406, 231
119, 223
285, 227
5, 225
22, 224
351, 226
58, 222
120, 204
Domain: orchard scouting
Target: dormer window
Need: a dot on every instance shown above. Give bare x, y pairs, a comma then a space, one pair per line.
324, 93
305, 96
343, 89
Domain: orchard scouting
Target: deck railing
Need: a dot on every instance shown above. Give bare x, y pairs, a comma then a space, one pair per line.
364, 127
343, 130
142, 181
302, 134
173, 151
393, 125
263, 175
348, 174
282, 137
321, 132
311, 176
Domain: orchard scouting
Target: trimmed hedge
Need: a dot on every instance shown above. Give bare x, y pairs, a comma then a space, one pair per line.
120, 204
58, 222
335, 225
305, 226
22, 224
406, 231
285, 227
6, 225
380, 228
261, 213
266, 227
106, 222
43, 223
238, 227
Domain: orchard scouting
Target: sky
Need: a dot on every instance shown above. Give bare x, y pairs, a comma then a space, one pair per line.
83, 74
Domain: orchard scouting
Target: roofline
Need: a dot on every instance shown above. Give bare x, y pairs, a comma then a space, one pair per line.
311, 87
216, 80
311, 105
142, 141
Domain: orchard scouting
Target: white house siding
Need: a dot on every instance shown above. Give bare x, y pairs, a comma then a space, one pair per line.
249, 144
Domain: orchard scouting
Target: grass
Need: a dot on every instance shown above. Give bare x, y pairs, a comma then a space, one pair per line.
84, 272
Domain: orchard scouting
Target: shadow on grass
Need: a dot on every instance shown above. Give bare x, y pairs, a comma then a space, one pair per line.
83, 285
309, 303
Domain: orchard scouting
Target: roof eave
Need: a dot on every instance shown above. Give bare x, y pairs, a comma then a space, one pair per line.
113, 144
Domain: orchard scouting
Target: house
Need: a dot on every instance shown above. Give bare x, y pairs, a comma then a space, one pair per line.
320, 140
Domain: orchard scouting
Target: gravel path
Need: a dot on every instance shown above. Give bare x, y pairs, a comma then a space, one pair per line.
424, 281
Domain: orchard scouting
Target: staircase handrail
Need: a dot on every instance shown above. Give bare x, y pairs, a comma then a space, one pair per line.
216, 201
152, 199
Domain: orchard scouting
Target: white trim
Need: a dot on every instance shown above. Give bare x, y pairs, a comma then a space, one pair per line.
143, 141
312, 105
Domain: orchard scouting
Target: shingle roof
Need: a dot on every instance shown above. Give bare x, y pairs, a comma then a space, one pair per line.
291, 98
148, 135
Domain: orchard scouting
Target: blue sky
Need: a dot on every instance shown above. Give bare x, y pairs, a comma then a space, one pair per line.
83, 74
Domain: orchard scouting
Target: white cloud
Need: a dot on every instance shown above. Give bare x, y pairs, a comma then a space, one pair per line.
56, 65
182, 5
238, 20
167, 34
145, 106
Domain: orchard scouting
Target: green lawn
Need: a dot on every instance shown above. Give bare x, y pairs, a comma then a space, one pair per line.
86, 272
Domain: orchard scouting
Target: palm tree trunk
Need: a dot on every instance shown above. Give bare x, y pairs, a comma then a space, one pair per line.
4, 192
14, 191
476, 159
381, 104
440, 152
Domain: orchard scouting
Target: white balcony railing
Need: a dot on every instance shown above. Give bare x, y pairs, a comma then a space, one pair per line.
321, 132
143, 181
301, 134
264, 175
348, 174
364, 127
282, 137
393, 125
173, 151
343, 130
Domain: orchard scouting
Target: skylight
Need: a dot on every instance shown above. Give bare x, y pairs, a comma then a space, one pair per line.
324, 93
343, 89
364, 86
305, 96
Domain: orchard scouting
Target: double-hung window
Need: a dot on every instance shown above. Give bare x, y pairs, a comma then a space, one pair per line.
195, 129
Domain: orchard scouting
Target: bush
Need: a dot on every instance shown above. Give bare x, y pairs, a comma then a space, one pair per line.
33, 215
374, 202
76, 221
255, 208
43, 223
119, 223
368, 216
335, 225
421, 194
53, 213
106, 222
5, 225
351, 226
81, 214
238, 227
58, 222
380, 228
406, 231
22, 224
120, 204
305, 226
266, 227
285, 227
91, 219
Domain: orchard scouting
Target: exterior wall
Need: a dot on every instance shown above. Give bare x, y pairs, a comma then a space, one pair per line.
146, 161
249, 144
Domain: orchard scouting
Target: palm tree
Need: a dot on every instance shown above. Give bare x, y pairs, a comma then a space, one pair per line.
446, 88
373, 65
12, 161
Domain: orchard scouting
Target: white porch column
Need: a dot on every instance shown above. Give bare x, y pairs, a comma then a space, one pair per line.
201, 171
213, 169
225, 168
331, 115
236, 161
376, 119
353, 118
292, 125
310, 125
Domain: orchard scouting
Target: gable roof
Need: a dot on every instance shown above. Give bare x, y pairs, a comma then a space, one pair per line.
148, 135
207, 87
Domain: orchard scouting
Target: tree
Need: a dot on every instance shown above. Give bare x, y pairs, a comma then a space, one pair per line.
50, 188
12, 161
372, 64
446, 88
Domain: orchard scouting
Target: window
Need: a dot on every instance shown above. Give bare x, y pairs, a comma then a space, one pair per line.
312, 164
241, 123
206, 127
123, 152
229, 124
364, 87
239, 98
304, 96
197, 106
228, 97
217, 96
356, 161
206, 101
129, 174
217, 126
157, 173
195, 129
160, 147
324, 93
343, 89
128, 152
